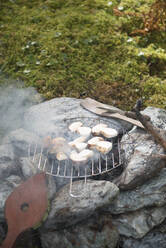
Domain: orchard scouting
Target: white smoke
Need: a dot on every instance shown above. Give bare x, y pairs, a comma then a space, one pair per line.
14, 101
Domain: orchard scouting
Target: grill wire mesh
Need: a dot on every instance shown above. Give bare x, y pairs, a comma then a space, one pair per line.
98, 165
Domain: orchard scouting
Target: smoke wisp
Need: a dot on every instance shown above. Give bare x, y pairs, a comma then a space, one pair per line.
14, 101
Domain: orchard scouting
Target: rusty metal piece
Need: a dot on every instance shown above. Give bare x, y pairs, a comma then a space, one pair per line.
25, 207
108, 111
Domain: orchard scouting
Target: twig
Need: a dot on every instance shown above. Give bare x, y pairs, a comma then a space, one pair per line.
134, 116
161, 156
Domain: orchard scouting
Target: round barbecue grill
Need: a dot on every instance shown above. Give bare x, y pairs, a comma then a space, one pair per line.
97, 165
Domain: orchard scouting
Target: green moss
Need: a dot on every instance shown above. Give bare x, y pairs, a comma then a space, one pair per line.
74, 48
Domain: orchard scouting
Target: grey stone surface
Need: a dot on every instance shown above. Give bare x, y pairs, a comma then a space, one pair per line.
8, 162
6, 152
67, 211
8, 168
20, 140
29, 167
73, 222
2, 232
157, 115
48, 117
139, 223
51, 187
140, 163
151, 240
151, 193
92, 233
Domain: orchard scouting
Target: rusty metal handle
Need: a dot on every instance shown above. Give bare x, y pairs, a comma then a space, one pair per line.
25, 207
10, 239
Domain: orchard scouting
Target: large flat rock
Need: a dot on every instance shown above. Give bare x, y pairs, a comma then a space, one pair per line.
20, 139
157, 115
93, 233
151, 240
49, 117
140, 163
151, 193
8, 161
67, 211
137, 224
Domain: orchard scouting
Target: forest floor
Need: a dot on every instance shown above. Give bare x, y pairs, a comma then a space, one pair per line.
113, 51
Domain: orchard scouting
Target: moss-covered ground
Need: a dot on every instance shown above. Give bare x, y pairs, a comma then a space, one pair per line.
81, 48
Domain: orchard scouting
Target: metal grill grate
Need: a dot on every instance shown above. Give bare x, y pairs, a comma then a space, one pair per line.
97, 165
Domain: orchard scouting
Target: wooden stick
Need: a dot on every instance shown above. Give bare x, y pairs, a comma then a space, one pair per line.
161, 156
134, 116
